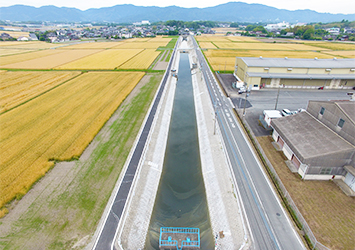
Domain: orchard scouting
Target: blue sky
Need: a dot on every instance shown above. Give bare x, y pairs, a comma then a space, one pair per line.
330, 6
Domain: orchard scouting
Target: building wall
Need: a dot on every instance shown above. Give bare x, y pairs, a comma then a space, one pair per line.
287, 151
331, 117
285, 70
324, 165
242, 69
350, 181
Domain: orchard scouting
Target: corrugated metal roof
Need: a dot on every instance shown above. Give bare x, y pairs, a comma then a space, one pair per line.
298, 63
301, 76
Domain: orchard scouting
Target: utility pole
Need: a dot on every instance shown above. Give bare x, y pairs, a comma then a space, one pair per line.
215, 119
245, 101
277, 98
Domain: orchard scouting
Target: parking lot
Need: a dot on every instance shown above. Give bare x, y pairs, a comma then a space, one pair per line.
292, 99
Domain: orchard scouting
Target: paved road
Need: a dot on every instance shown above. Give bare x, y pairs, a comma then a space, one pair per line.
106, 237
269, 224
262, 99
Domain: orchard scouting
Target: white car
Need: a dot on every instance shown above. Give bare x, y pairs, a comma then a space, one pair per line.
286, 112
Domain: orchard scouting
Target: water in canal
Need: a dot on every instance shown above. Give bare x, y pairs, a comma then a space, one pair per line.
181, 198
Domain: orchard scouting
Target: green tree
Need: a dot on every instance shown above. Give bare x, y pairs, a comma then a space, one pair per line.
308, 34
283, 32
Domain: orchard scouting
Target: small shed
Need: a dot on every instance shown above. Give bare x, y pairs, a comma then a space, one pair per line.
268, 116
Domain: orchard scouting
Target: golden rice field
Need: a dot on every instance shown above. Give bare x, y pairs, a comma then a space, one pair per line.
92, 45
158, 39
141, 61
242, 39
226, 39
14, 43
17, 34
221, 30
52, 61
265, 46
140, 45
107, 59
17, 87
222, 63
265, 53
26, 56
207, 45
333, 46
342, 53
218, 57
5, 51
223, 57
28, 45
57, 125
212, 38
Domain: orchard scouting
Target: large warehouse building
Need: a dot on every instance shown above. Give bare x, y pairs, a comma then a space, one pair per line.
259, 72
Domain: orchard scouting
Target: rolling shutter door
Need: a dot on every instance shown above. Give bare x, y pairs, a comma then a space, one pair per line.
280, 142
295, 161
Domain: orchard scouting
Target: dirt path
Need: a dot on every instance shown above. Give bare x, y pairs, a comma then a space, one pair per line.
162, 64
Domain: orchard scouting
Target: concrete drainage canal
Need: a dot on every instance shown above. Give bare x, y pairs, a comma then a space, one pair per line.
181, 199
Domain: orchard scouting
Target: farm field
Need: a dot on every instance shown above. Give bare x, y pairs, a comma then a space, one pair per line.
142, 60
107, 59
14, 43
265, 46
17, 87
230, 47
92, 45
28, 45
64, 208
107, 55
10, 59
17, 34
57, 125
5, 51
346, 54
141, 45
207, 45
40, 81
333, 46
53, 60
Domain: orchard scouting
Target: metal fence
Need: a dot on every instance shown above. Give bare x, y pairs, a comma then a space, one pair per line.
302, 222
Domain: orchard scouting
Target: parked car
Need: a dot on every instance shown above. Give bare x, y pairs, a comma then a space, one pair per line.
286, 112
242, 90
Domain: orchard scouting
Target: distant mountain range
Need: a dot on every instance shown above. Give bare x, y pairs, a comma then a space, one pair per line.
128, 13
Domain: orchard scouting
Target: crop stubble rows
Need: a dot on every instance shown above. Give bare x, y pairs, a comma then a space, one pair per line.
222, 50
57, 126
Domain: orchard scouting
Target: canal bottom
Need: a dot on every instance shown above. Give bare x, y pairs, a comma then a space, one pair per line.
181, 198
